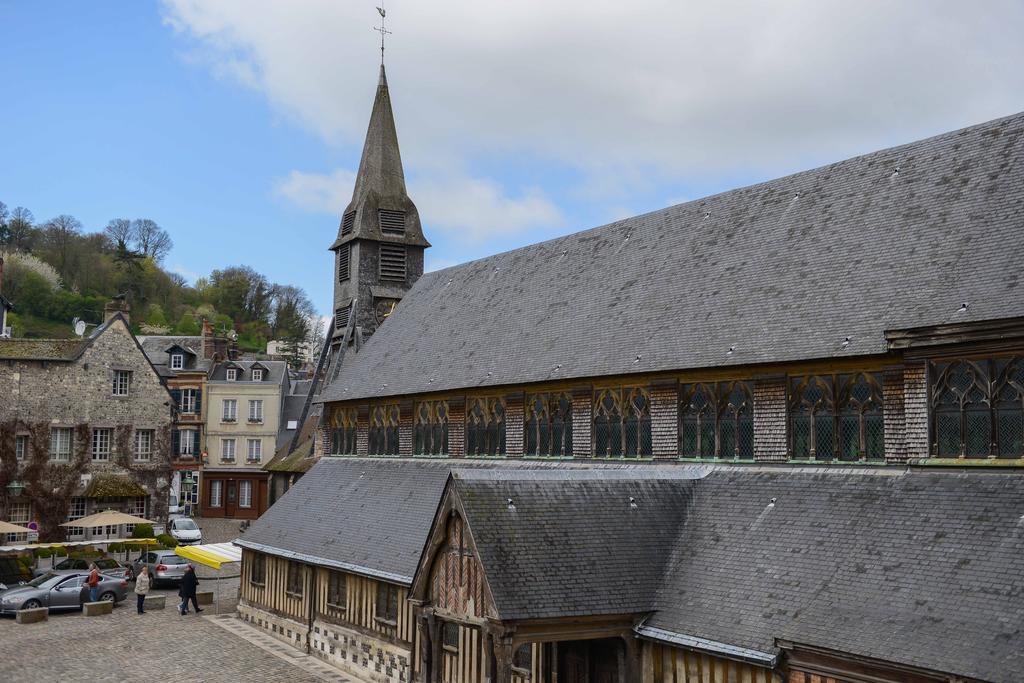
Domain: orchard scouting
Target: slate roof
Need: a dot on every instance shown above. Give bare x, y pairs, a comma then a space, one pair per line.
572, 543
276, 371
42, 349
780, 271
924, 568
369, 517
157, 347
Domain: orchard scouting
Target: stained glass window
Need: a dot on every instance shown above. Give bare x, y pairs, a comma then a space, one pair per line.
836, 417
430, 431
485, 426
343, 431
716, 420
548, 425
978, 408
622, 423
383, 436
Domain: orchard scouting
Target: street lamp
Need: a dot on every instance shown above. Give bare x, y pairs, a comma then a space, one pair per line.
15, 488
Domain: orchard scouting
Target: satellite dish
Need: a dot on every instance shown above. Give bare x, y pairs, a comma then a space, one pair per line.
79, 326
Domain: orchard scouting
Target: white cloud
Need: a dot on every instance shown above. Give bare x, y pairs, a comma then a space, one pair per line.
472, 209
683, 88
189, 275
317, 192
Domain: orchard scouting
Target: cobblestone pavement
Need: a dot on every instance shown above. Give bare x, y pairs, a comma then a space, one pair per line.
127, 646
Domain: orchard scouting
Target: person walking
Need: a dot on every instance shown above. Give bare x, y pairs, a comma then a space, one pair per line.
142, 583
93, 582
187, 592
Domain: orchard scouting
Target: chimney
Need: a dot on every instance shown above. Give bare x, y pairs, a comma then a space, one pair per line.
116, 305
208, 349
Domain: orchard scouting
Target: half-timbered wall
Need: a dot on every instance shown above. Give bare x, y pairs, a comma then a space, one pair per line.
456, 579
665, 664
360, 606
269, 589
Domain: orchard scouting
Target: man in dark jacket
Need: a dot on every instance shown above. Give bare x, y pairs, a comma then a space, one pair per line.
187, 592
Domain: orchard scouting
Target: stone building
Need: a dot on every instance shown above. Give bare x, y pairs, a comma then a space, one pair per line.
772, 434
184, 362
85, 425
244, 407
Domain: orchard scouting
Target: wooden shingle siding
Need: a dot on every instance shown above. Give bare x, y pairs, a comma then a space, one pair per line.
770, 443
665, 421
456, 578
674, 665
514, 421
915, 410
582, 419
894, 415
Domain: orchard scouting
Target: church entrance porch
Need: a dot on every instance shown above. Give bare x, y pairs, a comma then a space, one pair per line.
591, 661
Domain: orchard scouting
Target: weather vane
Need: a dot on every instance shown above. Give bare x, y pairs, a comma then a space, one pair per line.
383, 31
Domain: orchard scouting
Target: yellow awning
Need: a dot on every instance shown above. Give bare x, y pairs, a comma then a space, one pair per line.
211, 554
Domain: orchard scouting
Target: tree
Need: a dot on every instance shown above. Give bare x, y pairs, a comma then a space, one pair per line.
59, 234
21, 232
120, 231
151, 239
4, 215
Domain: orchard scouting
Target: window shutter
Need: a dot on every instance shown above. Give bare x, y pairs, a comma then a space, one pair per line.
199, 401
392, 262
176, 397
344, 257
348, 222
175, 441
391, 222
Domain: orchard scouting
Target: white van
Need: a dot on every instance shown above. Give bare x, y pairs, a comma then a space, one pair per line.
185, 531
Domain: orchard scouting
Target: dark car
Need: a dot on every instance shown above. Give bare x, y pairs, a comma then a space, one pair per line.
106, 565
60, 592
13, 572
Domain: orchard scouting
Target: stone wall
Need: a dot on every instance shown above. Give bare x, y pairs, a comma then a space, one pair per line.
361, 654
78, 394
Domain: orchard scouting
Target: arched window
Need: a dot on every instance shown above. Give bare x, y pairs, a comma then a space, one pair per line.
622, 423
343, 431
485, 426
716, 420
978, 408
836, 417
548, 425
430, 433
383, 436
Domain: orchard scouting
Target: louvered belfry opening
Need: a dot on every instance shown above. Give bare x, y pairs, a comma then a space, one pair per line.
348, 222
344, 262
391, 222
392, 262
341, 318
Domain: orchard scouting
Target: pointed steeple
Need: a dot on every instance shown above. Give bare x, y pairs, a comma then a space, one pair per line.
380, 182
379, 248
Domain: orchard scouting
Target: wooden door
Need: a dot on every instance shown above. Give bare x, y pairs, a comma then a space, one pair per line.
572, 662
230, 497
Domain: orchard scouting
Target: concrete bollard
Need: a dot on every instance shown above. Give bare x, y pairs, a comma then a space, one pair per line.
204, 597
97, 609
155, 602
31, 616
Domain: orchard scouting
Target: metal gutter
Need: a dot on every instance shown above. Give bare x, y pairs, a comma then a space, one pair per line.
322, 562
742, 654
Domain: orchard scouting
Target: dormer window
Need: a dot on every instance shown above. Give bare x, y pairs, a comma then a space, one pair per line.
177, 361
232, 375
257, 375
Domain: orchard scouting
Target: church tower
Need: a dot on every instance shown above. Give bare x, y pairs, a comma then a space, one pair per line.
378, 254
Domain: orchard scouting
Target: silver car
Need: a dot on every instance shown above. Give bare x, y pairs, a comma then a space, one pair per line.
165, 566
60, 592
105, 565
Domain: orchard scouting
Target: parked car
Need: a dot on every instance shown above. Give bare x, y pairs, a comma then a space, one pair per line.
13, 572
185, 531
60, 592
165, 566
106, 565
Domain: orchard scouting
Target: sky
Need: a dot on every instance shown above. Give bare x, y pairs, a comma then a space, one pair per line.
237, 124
